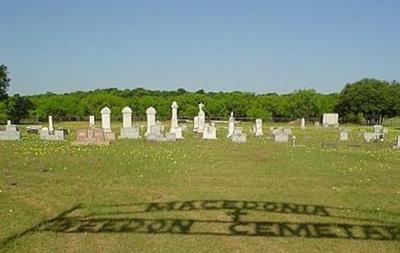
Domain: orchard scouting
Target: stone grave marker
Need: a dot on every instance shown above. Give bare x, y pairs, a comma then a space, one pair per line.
231, 125
128, 131
238, 136
210, 132
10, 133
175, 128
258, 128
330, 119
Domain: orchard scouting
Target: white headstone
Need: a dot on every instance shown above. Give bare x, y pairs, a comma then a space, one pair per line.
258, 128
210, 132
378, 128
303, 123
126, 117
8, 122
231, 125
51, 126
174, 118
106, 119
195, 123
330, 119
201, 118
92, 122
344, 136
151, 118
175, 128
398, 142
281, 138
238, 136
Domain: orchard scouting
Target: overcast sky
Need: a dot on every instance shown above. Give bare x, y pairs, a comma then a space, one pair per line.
257, 46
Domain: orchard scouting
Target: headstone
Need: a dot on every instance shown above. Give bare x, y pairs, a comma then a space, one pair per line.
201, 118
170, 137
397, 146
195, 123
378, 128
231, 125
175, 128
92, 122
294, 141
51, 134
128, 131
258, 128
106, 119
238, 136
155, 133
210, 132
126, 117
51, 126
281, 138
11, 133
174, 117
303, 123
344, 136
55, 135
151, 118
91, 136
372, 136
316, 124
330, 119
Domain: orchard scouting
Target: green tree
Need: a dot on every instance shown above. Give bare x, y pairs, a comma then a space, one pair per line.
17, 107
371, 97
4, 82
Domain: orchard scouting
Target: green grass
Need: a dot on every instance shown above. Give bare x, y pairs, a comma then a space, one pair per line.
358, 185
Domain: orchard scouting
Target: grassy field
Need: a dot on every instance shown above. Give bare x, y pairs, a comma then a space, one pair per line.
201, 196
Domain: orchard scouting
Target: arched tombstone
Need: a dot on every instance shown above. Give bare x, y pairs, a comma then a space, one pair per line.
128, 131
106, 124
106, 119
151, 118
175, 129
231, 125
126, 117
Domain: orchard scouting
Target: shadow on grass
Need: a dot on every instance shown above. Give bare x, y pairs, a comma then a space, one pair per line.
241, 218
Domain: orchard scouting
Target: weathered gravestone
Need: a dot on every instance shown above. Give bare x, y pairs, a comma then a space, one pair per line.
376, 135
10, 133
258, 128
231, 125
92, 121
106, 124
238, 136
195, 123
344, 136
330, 119
151, 118
91, 136
303, 123
128, 131
281, 138
175, 128
397, 146
201, 118
210, 132
51, 134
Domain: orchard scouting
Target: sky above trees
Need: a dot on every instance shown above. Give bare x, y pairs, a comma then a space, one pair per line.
229, 45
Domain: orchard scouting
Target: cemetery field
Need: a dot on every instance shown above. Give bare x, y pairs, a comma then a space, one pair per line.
198, 195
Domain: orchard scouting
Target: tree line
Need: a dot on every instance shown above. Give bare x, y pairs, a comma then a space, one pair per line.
367, 100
